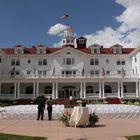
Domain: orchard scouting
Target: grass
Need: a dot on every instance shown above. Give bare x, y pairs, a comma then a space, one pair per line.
18, 137
133, 137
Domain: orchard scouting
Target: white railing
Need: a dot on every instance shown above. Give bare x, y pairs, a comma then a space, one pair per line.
92, 95
6, 76
25, 96
111, 94
7, 96
129, 95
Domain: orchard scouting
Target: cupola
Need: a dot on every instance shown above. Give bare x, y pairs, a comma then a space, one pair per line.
68, 38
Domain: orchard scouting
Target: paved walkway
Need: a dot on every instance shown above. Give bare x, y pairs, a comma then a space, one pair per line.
107, 129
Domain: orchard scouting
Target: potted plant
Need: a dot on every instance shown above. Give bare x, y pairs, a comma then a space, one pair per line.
65, 118
93, 118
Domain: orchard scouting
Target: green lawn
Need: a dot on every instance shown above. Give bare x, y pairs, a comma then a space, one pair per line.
17, 137
134, 137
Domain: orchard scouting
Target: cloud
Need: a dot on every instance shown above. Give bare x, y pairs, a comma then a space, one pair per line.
127, 34
57, 29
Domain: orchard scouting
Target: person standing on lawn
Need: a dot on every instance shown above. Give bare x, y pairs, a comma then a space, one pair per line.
41, 107
49, 107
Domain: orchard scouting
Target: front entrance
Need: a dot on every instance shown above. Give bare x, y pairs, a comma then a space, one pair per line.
68, 91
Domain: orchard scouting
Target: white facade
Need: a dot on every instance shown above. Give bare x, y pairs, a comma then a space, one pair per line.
82, 72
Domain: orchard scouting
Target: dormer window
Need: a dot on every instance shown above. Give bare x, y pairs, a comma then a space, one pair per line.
95, 48
41, 49
19, 49
117, 49
81, 41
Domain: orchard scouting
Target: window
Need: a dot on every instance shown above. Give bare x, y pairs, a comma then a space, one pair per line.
123, 62
68, 73
81, 41
29, 61
108, 72
28, 72
94, 62
89, 89
119, 71
68, 61
0, 59
95, 50
19, 51
120, 62
68, 41
15, 62
107, 60
48, 90
42, 62
42, 73
94, 73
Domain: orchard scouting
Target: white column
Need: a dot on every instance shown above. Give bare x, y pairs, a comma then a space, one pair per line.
15, 91
56, 90
103, 90
100, 90
122, 90
0, 89
118, 89
34, 91
137, 92
18, 90
53, 90
37, 89
139, 88
84, 90
81, 91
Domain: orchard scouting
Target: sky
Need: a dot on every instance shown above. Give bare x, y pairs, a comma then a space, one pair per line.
33, 22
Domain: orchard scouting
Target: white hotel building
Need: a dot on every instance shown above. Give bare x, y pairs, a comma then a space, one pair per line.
77, 70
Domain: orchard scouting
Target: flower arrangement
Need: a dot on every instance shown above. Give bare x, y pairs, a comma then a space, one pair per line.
93, 118
65, 118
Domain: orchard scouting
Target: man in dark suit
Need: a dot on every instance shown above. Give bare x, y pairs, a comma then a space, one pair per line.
41, 107
49, 107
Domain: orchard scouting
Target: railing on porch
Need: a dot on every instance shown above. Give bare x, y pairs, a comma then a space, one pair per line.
110, 94
129, 95
25, 96
5, 76
92, 95
7, 96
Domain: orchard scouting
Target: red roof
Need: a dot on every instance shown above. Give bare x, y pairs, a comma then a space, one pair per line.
10, 51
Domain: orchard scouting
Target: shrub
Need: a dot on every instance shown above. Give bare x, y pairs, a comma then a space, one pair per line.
65, 118
93, 118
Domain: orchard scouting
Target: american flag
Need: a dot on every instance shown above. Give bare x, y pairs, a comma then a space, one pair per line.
83, 71
103, 72
123, 72
12, 71
64, 17
53, 72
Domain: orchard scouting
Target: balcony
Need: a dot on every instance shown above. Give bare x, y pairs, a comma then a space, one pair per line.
21, 76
